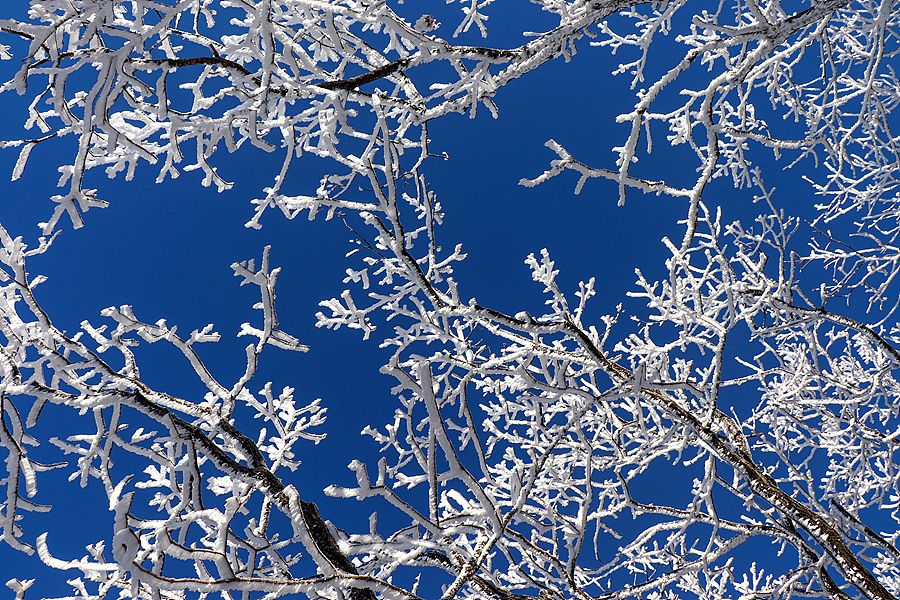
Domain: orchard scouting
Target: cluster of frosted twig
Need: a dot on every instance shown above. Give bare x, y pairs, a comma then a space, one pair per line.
529, 436
195, 449
150, 81
533, 441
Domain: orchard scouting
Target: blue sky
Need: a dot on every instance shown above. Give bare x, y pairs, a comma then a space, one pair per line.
166, 248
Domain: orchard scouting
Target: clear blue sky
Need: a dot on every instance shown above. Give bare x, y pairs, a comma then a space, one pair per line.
166, 249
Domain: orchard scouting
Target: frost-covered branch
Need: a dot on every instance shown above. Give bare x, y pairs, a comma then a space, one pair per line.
198, 440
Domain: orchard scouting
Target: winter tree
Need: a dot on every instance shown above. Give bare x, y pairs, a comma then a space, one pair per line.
515, 440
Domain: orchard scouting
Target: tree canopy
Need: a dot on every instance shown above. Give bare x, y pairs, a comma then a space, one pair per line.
528, 430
